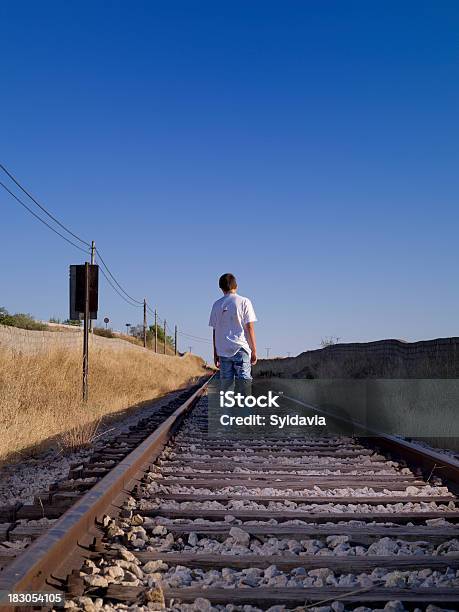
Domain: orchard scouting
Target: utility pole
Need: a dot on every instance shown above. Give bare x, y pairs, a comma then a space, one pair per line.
164, 336
189, 348
175, 341
93, 261
86, 333
268, 348
156, 331
144, 323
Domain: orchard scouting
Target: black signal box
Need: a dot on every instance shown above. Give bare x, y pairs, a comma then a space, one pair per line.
77, 291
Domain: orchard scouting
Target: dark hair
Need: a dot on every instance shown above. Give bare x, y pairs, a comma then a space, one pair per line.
227, 282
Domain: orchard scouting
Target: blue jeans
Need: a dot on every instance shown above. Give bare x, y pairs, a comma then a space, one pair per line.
236, 370
236, 367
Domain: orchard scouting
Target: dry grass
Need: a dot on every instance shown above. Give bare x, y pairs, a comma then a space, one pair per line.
40, 395
82, 434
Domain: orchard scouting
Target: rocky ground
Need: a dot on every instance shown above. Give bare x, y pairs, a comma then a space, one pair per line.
135, 533
20, 482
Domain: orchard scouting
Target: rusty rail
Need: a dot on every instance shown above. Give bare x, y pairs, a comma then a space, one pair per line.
75, 528
430, 461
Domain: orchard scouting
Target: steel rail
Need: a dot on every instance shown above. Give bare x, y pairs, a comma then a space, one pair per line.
43, 558
427, 458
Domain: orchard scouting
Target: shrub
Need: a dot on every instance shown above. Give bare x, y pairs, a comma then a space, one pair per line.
106, 333
22, 320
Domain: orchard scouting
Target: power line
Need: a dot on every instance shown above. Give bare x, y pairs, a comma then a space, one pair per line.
13, 178
197, 338
152, 312
140, 302
40, 219
158, 318
193, 336
116, 290
42, 207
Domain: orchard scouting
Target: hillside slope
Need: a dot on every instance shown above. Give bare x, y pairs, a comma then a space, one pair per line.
437, 358
40, 388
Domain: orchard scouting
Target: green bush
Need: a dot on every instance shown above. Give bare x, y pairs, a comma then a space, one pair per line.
151, 336
106, 333
22, 320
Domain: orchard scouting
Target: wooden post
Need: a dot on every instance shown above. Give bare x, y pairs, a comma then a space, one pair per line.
175, 341
93, 261
86, 333
164, 336
156, 331
145, 323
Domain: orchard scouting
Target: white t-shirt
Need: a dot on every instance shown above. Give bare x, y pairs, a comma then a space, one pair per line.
228, 316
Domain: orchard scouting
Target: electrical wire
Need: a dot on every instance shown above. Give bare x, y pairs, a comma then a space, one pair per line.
159, 321
41, 220
140, 302
158, 318
191, 337
116, 290
150, 310
42, 207
13, 178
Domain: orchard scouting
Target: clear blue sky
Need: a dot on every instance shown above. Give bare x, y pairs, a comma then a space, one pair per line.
310, 147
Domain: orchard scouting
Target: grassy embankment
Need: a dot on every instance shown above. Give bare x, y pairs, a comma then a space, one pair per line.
40, 395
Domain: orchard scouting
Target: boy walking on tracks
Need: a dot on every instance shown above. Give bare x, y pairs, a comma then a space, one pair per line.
232, 318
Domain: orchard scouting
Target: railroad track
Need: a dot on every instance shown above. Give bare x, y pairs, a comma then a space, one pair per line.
184, 522
22, 522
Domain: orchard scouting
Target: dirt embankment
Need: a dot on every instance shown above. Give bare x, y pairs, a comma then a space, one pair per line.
40, 390
382, 359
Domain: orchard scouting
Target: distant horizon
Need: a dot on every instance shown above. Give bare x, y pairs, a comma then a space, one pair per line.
261, 355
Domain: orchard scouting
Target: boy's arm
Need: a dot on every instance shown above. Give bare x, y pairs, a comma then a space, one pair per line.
216, 359
250, 335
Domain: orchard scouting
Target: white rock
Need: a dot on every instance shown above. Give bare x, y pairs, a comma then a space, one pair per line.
114, 571
96, 581
153, 566
271, 571
201, 605
335, 540
239, 535
394, 606
128, 556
